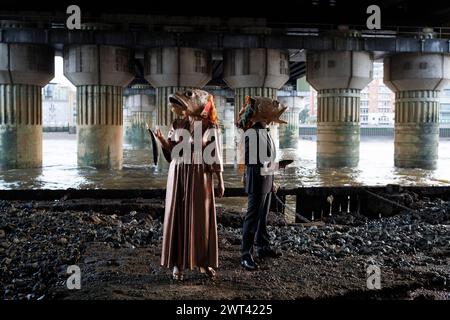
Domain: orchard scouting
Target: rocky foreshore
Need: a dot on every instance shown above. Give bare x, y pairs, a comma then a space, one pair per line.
37, 246
39, 240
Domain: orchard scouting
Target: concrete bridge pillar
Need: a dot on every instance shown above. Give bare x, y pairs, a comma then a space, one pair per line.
338, 77
226, 120
417, 80
100, 73
140, 106
255, 72
175, 69
229, 135
289, 133
24, 70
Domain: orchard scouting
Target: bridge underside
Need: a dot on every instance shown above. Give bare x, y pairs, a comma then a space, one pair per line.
249, 49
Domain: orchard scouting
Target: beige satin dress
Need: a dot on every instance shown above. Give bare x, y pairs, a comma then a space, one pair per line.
190, 226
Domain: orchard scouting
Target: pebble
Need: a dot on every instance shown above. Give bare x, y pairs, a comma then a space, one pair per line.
439, 281
41, 244
388, 237
36, 246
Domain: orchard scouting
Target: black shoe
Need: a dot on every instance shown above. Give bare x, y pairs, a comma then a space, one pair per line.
249, 264
268, 252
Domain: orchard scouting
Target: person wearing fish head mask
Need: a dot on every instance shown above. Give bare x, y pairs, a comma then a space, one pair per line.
254, 118
190, 226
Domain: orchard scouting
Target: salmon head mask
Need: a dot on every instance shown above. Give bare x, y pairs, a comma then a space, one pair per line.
194, 102
260, 109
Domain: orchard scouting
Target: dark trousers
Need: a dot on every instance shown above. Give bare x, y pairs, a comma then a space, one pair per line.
254, 230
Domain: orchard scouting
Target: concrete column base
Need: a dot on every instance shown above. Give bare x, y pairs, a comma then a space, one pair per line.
338, 128
416, 129
100, 126
20, 126
136, 129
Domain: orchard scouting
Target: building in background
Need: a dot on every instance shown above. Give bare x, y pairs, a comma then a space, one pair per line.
377, 101
59, 107
445, 108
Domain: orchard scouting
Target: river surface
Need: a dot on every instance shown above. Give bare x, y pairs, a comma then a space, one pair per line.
376, 167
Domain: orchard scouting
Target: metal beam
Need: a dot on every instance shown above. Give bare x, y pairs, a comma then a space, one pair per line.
218, 41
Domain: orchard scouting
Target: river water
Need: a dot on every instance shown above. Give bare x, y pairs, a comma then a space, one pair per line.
376, 167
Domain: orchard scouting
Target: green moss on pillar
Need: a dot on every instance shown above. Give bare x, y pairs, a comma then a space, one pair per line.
100, 130
20, 126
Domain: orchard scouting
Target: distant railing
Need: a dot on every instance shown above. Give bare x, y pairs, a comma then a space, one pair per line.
312, 29
292, 93
381, 131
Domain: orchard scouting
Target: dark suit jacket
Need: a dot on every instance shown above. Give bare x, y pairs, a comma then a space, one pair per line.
254, 181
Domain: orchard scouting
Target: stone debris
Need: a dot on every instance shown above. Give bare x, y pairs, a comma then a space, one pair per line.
37, 245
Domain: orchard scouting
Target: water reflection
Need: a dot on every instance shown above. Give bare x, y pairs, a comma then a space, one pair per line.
60, 170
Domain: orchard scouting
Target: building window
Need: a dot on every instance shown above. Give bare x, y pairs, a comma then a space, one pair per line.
445, 117
445, 107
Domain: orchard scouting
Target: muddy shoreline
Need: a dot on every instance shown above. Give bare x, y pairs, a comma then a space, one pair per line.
116, 244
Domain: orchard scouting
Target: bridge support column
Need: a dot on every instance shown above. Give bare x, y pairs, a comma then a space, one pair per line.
24, 70
255, 72
140, 110
416, 80
289, 133
100, 73
338, 77
175, 69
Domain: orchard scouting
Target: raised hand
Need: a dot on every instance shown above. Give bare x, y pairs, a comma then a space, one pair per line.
159, 135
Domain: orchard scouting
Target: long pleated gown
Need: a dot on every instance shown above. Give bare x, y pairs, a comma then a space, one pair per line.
190, 225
